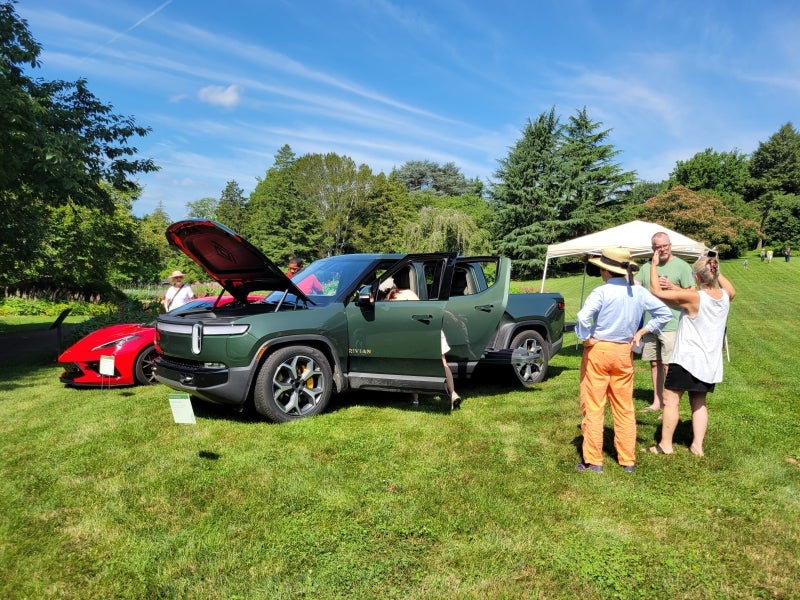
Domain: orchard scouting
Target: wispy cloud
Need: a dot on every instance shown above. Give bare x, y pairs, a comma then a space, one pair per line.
217, 95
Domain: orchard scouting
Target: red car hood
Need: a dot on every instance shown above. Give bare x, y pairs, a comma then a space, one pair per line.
80, 349
233, 262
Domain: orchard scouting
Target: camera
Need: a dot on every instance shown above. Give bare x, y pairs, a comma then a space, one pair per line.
712, 253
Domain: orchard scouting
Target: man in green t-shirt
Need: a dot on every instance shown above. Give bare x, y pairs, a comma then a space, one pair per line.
672, 272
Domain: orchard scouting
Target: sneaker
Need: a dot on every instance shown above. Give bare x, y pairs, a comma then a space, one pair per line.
587, 467
629, 468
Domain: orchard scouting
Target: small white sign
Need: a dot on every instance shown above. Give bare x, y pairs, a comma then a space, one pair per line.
107, 366
181, 406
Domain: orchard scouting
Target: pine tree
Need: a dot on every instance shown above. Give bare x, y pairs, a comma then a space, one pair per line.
530, 185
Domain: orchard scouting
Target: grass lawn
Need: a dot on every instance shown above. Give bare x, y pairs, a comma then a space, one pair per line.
103, 496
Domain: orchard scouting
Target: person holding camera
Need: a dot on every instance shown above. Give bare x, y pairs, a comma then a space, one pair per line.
672, 271
696, 363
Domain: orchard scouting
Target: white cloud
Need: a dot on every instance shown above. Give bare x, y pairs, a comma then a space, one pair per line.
217, 95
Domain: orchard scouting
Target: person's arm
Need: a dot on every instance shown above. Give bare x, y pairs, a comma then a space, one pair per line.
676, 297
726, 285
585, 317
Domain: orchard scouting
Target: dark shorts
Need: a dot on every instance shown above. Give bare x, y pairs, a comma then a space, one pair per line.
680, 380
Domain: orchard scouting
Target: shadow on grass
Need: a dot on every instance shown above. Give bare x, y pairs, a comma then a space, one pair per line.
683, 435
608, 444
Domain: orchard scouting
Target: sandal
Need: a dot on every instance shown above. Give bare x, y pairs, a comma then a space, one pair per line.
657, 449
455, 401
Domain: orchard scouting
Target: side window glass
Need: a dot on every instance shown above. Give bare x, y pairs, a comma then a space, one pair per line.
474, 277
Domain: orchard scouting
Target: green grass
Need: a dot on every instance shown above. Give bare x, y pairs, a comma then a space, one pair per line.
103, 496
24, 324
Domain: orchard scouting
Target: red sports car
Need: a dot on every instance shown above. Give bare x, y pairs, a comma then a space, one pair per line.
131, 345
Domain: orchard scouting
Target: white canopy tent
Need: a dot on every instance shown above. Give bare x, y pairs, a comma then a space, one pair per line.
635, 236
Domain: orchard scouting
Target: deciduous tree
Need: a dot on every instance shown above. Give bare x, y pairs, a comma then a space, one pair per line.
59, 147
774, 170
703, 217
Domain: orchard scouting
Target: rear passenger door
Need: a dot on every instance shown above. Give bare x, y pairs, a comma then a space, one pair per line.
478, 295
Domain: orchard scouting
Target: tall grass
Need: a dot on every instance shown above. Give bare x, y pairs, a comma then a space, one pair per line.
103, 496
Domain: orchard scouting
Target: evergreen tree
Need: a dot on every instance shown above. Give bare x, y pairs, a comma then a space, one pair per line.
593, 181
530, 185
441, 180
230, 209
386, 214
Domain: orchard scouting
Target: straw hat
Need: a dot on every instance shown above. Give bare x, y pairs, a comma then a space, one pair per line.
616, 260
176, 274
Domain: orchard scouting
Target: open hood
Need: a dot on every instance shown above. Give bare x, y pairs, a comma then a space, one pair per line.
229, 259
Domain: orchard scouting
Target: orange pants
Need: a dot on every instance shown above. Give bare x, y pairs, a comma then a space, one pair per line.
607, 372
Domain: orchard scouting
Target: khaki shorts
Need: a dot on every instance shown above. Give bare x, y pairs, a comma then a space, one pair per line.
658, 347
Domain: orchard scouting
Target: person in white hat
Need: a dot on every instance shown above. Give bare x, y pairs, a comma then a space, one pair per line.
179, 293
608, 324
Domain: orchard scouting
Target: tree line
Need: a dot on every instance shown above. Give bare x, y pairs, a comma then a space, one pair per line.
67, 191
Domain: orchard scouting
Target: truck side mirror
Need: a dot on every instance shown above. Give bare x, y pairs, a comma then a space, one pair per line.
365, 298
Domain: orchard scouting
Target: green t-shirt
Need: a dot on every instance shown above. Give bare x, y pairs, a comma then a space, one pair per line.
679, 272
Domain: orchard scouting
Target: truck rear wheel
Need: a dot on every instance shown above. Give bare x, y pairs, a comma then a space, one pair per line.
531, 374
293, 382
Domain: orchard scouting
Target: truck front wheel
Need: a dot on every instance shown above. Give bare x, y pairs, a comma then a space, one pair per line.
294, 382
532, 342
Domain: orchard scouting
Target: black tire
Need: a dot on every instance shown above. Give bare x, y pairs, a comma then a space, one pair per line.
144, 368
293, 383
530, 375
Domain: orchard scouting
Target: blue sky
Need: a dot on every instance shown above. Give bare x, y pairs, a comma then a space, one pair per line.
224, 85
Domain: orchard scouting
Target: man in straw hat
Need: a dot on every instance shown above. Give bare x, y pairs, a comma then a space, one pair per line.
179, 293
608, 324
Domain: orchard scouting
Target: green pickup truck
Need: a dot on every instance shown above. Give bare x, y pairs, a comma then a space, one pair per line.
329, 329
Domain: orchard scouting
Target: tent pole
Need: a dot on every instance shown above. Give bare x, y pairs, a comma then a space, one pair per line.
544, 274
583, 287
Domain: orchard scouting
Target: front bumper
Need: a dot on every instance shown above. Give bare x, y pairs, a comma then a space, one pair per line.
221, 385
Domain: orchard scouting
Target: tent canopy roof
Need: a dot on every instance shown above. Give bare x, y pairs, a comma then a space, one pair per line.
635, 236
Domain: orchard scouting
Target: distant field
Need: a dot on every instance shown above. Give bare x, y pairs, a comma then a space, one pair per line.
103, 496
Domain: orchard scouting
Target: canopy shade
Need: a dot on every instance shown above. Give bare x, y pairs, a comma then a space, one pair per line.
635, 236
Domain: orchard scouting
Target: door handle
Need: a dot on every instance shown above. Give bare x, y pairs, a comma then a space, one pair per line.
485, 307
423, 318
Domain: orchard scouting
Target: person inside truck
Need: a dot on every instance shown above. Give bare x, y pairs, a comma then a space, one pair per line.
394, 293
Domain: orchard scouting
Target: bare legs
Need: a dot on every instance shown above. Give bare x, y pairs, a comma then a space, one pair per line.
670, 418
455, 399
658, 372
699, 421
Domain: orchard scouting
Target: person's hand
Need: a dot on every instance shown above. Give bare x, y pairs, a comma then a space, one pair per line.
654, 260
665, 283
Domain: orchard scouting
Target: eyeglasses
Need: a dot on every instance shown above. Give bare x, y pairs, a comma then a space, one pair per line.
662, 247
